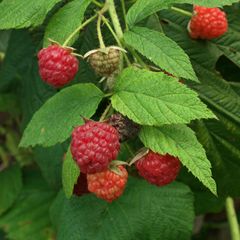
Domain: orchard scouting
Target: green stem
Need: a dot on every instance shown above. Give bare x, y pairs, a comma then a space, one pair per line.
97, 3
78, 29
232, 219
124, 13
179, 10
105, 112
114, 18
99, 32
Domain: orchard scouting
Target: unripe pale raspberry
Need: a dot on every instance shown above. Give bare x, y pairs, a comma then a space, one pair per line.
108, 185
158, 169
81, 188
94, 145
126, 128
207, 23
57, 65
104, 61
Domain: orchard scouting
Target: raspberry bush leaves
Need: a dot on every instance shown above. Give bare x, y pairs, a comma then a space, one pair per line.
119, 119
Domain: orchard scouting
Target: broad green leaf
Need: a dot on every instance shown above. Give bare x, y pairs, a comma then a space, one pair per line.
54, 121
142, 8
10, 185
161, 50
143, 212
65, 21
29, 218
151, 98
180, 141
70, 174
22, 14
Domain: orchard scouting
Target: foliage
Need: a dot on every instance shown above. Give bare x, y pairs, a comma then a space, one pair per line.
169, 84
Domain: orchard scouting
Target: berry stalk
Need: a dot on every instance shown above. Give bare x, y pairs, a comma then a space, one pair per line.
183, 12
232, 219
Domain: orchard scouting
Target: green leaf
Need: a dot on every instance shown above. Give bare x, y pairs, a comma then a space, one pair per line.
143, 212
10, 185
22, 14
29, 218
54, 121
70, 174
161, 50
65, 21
142, 8
151, 98
180, 141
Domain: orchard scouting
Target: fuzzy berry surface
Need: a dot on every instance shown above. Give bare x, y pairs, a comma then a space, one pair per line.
126, 128
158, 169
81, 188
107, 63
57, 65
94, 145
207, 23
108, 185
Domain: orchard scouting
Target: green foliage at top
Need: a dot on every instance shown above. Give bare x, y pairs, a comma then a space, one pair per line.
161, 50
21, 14
142, 9
151, 98
61, 26
140, 208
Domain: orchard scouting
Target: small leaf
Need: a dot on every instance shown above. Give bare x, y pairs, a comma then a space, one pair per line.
161, 50
70, 174
180, 141
142, 8
65, 21
22, 14
151, 98
10, 185
54, 121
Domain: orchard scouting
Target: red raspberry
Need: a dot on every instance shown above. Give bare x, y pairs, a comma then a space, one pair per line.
81, 188
94, 145
108, 185
207, 23
158, 169
57, 65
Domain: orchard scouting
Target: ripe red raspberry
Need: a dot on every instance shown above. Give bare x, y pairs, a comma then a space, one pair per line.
94, 145
108, 185
81, 188
57, 65
207, 23
158, 169
104, 61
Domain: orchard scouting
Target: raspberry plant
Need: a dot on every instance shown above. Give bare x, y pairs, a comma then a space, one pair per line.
99, 98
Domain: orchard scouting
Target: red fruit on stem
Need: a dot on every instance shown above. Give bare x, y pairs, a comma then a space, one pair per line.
57, 65
207, 23
81, 188
94, 145
158, 169
108, 185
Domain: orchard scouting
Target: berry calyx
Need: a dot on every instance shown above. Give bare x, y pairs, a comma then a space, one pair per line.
126, 128
105, 61
158, 169
207, 23
81, 188
108, 185
94, 145
57, 65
